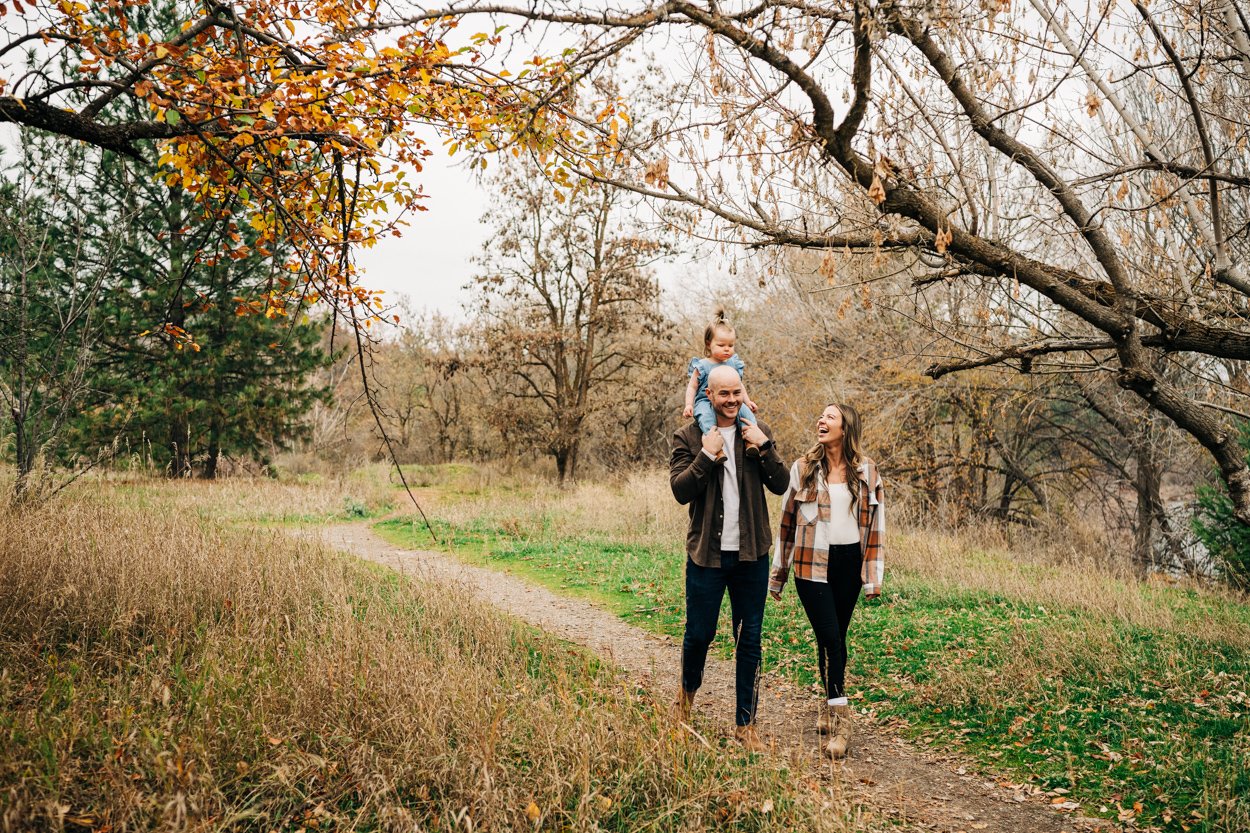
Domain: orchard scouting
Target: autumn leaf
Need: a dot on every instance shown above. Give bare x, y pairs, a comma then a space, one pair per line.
656, 173
876, 191
532, 812
1092, 103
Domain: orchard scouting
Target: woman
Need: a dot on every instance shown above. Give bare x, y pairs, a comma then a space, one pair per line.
832, 522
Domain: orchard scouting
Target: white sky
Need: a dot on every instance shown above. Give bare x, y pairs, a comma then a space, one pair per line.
433, 260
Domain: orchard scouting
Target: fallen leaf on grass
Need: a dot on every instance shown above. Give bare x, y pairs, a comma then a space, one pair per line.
532, 812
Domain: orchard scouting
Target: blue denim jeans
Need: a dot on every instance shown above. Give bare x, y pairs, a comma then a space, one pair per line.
747, 583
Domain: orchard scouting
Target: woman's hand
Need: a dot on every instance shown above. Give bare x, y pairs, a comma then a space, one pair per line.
776, 594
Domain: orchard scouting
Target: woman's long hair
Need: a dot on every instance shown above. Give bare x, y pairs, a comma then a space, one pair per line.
814, 464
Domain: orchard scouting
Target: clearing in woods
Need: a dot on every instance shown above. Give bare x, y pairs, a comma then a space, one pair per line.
892, 778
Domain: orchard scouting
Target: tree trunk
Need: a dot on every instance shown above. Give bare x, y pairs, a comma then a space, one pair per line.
1005, 496
214, 448
179, 446
179, 425
566, 462
25, 451
1149, 505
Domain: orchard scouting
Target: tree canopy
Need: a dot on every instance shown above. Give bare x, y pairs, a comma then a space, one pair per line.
1069, 183
302, 113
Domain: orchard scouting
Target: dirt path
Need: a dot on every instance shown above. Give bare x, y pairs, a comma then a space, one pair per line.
892, 777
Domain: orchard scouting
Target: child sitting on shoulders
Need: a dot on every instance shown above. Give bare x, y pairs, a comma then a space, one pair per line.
718, 342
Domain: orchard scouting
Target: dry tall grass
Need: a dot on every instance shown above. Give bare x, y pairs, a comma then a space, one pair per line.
159, 672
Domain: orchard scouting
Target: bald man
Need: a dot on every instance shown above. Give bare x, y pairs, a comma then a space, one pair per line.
727, 542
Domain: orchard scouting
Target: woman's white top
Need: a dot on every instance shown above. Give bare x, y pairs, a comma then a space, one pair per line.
842, 527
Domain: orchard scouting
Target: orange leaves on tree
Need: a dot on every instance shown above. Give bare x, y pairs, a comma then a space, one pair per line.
298, 112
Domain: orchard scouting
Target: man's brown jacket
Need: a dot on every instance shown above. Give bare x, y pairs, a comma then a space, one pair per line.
696, 480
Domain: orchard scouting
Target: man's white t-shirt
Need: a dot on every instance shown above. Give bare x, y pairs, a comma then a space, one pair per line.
730, 536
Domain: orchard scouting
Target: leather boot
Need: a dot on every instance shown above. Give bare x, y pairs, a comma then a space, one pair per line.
824, 719
682, 705
749, 738
840, 738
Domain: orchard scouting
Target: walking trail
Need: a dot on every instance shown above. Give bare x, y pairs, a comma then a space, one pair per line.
892, 778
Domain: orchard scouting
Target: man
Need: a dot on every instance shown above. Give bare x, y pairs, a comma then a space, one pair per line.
727, 543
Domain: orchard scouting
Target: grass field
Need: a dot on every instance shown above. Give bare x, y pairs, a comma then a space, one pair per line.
165, 663
1050, 667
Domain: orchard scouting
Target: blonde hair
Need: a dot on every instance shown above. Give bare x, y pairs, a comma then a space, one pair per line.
814, 463
719, 323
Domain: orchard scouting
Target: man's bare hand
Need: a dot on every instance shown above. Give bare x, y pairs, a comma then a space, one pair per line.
752, 433
713, 443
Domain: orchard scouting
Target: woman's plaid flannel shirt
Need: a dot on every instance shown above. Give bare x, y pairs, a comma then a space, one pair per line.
796, 536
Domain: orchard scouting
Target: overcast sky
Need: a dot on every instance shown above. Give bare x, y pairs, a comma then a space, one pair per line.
432, 261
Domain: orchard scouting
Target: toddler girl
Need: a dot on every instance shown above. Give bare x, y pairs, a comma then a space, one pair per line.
718, 343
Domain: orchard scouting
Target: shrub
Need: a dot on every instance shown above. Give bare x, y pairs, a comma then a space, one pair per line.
1226, 538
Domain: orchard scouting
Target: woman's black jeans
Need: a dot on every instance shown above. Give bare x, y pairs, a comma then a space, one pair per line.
829, 607
747, 583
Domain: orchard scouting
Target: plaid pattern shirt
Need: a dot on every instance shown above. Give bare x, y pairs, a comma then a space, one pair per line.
798, 543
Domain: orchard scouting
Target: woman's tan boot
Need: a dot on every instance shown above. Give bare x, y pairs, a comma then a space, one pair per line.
840, 739
749, 738
824, 719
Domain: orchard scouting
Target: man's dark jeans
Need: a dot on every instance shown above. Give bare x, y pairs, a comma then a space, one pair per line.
747, 583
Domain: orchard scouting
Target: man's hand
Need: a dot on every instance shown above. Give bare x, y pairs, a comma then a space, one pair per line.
752, 433
714, 443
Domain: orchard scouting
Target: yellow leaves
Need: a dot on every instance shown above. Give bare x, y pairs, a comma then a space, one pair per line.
396, 92
533, 813
273, 130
